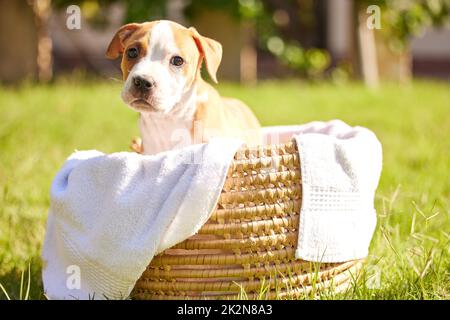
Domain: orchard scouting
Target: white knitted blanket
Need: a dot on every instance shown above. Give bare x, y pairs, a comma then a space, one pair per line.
340, 169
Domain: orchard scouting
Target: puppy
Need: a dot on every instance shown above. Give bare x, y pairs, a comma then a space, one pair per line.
161, 62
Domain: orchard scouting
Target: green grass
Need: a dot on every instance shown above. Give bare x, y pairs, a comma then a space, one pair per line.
41, 125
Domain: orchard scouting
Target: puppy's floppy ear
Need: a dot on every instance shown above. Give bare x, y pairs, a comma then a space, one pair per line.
116, 46
210, 50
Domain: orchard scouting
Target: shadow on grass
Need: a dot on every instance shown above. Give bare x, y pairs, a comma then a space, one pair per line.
18, 282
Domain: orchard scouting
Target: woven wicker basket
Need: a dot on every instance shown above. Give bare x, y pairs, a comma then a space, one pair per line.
248, 244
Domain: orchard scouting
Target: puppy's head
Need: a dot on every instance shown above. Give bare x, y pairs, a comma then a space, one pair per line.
160, 62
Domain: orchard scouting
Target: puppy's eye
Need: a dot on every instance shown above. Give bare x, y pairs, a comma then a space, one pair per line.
132, 53
177, 61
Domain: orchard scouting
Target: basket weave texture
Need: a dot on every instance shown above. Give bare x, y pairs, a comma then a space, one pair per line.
247, 247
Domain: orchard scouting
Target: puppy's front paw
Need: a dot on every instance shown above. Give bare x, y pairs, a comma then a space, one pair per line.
136, 145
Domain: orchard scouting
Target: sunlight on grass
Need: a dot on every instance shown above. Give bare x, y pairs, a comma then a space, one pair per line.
409, 256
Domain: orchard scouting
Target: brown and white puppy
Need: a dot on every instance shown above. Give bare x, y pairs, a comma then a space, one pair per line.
161, 63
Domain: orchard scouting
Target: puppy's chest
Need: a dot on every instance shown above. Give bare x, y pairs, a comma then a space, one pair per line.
160, 133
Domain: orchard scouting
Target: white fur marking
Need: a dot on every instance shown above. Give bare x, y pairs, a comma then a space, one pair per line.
170, 82
161, 42
171, 126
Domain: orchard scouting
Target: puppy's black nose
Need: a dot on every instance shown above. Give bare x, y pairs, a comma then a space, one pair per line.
142, 83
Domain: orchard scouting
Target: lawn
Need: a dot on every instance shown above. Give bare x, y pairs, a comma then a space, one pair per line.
41, 125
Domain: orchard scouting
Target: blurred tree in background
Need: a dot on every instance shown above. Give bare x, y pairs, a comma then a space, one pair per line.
401, 18
406, 18
400, 21
283, 28
276, 23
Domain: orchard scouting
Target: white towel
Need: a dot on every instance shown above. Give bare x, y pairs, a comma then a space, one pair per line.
340, 169
110, 214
